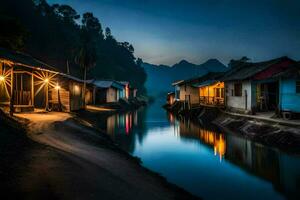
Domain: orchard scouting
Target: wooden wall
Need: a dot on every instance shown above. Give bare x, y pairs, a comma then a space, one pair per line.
112, 95
76, 100
64, 96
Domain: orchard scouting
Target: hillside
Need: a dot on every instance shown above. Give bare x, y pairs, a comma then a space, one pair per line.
59, 36
160, 77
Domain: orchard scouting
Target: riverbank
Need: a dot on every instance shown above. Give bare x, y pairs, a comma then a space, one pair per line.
284, 137
60, 157
275, 133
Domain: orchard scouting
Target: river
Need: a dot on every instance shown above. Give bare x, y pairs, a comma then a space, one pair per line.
203, 160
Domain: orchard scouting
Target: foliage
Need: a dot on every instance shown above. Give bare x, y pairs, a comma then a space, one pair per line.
56, 37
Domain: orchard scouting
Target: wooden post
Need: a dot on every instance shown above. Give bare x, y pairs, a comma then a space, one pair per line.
11, 105
94, 96
47, 96
59, 101
84, 87
21, 89
246, 100
32, 90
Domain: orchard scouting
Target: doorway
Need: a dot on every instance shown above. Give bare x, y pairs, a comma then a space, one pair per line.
267, 96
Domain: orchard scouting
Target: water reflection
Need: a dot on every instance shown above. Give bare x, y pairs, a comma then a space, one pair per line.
185, 153
186, 129
121, 123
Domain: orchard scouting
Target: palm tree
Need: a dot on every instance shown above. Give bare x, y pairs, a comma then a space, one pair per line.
86, 59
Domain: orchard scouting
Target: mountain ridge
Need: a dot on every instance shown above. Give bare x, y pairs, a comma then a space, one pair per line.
160, 77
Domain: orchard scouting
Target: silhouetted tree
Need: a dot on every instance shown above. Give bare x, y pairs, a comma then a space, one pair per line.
13, 34
55, 37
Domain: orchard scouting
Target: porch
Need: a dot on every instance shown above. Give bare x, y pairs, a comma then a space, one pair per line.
23, 88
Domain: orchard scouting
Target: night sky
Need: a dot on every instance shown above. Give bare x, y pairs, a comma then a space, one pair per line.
166, 31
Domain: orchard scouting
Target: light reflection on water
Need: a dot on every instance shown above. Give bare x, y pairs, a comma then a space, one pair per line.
203, 160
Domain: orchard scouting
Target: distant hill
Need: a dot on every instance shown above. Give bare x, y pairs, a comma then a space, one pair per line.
160, 77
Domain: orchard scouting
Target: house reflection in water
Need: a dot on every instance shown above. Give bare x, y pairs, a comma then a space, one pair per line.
279, 168
209, 137
121, 123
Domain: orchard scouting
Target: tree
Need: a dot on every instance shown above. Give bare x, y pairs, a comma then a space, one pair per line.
86, 59
107, 33
92, 25
139, 62
13, 35
67, 13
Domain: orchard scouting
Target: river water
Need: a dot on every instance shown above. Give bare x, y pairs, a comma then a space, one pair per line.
203, 160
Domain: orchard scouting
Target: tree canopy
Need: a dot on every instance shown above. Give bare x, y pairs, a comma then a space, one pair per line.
58, 35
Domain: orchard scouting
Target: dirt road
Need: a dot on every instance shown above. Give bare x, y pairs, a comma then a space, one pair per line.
81, 163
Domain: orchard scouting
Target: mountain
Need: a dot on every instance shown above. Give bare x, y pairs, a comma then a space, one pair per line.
160, 77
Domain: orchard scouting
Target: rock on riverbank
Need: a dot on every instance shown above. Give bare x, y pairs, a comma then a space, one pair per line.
268, 133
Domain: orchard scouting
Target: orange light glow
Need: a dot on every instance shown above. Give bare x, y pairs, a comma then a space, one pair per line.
2, 78
127, 91
217, 141
57, 87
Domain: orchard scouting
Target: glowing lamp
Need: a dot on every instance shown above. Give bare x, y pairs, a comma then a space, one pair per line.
2, 78
57, 87
46, 80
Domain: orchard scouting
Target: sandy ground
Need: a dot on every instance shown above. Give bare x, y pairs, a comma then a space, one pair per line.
81, 163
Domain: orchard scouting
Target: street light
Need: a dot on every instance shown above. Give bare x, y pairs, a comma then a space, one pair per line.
57, 87
2, 78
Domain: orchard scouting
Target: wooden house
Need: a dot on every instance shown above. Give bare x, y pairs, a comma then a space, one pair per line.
204, 90
67, 95
211, 90
108, 91
125, 92
252, 87
170, 98
27, 83
132, 92
186, 92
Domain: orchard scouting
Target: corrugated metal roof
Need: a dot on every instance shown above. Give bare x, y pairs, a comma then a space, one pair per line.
204, 83
247, 70
108, 84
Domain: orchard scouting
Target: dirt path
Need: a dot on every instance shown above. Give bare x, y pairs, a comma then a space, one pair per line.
87, 166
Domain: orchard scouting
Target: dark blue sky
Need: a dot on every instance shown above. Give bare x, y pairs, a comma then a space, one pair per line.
166, 31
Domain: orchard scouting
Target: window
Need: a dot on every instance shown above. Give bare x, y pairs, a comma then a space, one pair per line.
298, 87
218, 92
238, 89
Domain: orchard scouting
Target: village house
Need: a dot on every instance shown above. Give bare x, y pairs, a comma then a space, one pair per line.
129, 92
67, 95
289, 91
27, 83
253, 87
211, 90
170, 98
186, 93
108, 91
205, 90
